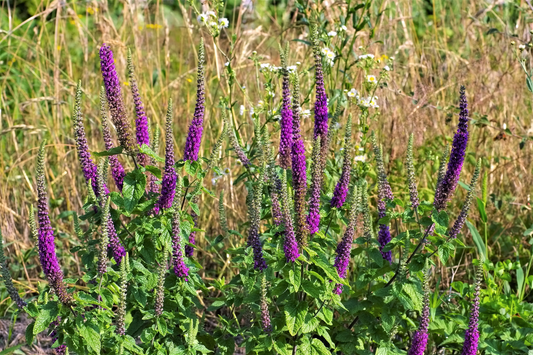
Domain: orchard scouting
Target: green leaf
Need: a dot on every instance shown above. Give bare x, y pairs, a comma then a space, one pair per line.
294, 278
528, 232
311, 289
295, 315
144, 149
477, 240
91, 336
11, 350
154, 170
481, 209
106, 153
29, 333
129, 344
133, 190
46, 315
319, 347
376, 256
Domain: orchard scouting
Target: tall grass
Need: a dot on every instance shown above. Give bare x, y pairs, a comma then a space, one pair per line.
437, 46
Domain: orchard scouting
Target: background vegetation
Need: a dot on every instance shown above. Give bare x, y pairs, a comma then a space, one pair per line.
46, 47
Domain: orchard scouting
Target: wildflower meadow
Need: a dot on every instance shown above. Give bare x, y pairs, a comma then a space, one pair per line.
266, 177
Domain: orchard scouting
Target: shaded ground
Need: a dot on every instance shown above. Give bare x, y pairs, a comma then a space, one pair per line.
40, 347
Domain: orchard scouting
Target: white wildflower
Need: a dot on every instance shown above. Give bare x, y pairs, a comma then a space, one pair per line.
202, 19
223, 22
241, 110
371, 79
360, 158
386, 67
353, 93
343, 28
522, 46
332, 34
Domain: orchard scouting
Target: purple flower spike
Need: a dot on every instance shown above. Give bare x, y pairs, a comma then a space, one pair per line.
321, 103
413, 192
461, 219
194, 138
290, 246
299, 168
117, 171
141, 123
313, 219
265, 314
180, 269
384, 194
448, 184
472, 333
341, 190
286, 139
114, 98
344, 248
419, 340
87, 165
254, 211
47, 249
168, 186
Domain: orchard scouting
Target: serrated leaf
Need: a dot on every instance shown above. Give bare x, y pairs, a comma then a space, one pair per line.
294, 278
145, 149
91, 336
154, 170
107, 153
311, 289
47, 315
295, 315
319, 347
133, 190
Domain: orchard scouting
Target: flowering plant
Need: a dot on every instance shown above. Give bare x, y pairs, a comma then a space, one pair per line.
313, 270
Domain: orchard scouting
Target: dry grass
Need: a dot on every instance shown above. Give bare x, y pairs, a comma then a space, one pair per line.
47, 54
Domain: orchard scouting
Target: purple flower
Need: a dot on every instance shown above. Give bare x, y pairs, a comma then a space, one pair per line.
472, 333
180, 269
461, 219
61, 349
87, 165
321, 103
341, 190
194, 138
286, 138
344, 248
420, 337
117, 171
168, 186
413, 192
384, 194
299, 173
290, 246
47, 249
254, 211
275, 208
313, 218
265, 315
114, 98
141, 123
448, 184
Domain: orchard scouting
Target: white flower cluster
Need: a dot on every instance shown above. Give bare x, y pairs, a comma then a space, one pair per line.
369, 102
365, 56
332, 34
330, 56
216, 177
353, 93
210, 19
305, 113
272, 68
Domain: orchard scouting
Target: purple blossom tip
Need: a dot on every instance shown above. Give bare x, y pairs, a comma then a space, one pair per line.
114, 97
194, 138
47, 251
448, 184
341, 189
168, 185
472, 333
